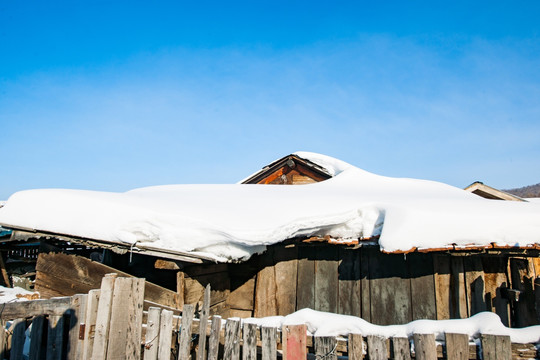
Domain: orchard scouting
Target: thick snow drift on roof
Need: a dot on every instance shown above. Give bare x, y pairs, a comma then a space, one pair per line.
230, 222
328, 324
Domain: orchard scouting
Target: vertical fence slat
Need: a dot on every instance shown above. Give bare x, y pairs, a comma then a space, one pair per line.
325, 347
204, 324
457, 346
90, 323
2, 337
377, 349
269, 343
355, 347
36, 338
165, 334
17, 339
99, 350
425, 347
401, 349
184, 345
249, 347
151, 343
231, 349
294, 340
496, 347
55, 337
213, 341
77, 314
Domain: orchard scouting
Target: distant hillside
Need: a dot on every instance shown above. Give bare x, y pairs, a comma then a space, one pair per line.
526, 191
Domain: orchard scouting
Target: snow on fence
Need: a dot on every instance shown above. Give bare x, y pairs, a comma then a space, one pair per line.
110, 323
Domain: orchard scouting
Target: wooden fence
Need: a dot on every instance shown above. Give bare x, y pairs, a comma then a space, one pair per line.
112, 323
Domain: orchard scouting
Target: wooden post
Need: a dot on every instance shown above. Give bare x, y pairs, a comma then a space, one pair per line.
377, 349
126, 319
99, 350
55, 337
269, 343
151, 344
5, 276
36, 338
425, 347
496, 347
294, 340
165, 334
77, 317
213, 341
355, 347
204, 324
90, 323
457, 346
184, 344
325, 347
249, 347
231, 350
17, 339
401, 349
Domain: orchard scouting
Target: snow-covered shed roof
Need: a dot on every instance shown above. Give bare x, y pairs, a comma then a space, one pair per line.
232, 222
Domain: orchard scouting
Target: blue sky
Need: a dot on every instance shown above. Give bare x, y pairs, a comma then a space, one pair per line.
116, 95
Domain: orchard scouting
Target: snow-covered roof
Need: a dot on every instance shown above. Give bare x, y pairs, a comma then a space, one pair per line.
232, 222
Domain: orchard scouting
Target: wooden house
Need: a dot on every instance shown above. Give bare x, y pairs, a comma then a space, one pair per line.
321, 273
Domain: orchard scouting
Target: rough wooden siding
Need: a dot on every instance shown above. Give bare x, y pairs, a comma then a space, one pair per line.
350, 290
422, 286
495, 275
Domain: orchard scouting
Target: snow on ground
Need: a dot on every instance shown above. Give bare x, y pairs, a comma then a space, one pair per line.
231, 222
328, 324
16, 294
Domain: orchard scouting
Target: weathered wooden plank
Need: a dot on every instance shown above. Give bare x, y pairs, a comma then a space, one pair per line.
184, 343
126, 319
3, 337
422, 286
194, 288
522, 280
23, 309
3, 271
474, 284
231, 350
77, 315
441, 268
269, 337
90, 323
165, 334
495, 275
294, 342
457, 346
350, 301
151, 343
213, 340
101, 334
355, 347
285, 268
36, 338
265, 287
377, 348
180, 289
61, 274
425, 347
249, 346
305, 293
390, 289
242, 297
325, 347
365, 284
17, 339
55, 337
401, 349
201, 351
496, 347
458, 296
326, 279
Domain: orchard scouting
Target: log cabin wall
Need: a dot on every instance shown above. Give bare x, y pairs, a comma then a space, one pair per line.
381, 288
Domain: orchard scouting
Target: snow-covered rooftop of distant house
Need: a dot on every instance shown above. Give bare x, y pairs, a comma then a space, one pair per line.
232, 222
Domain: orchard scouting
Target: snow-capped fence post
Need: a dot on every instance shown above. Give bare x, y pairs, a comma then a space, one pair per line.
377, 348
213, 340
325, 347
231, 350
457, 346
269, 337
249, 346
294, 340
425, 347
355, 347
201, 352
184, 343
496, 347
400, 348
